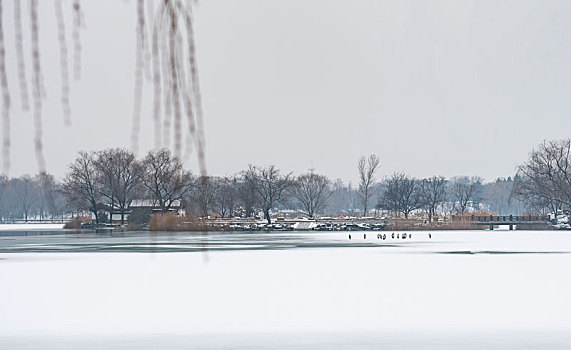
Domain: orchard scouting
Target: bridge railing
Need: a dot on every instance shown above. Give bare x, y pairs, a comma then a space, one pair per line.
509, 218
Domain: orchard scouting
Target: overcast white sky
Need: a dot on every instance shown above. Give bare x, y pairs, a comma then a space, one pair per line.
438, 87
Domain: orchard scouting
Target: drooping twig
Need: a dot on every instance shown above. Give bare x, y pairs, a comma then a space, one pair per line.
139, 63
37, 87
169, 60
146, 41
5, 100
167, 95
175, 74
20, 56
77, 24
197, 93
175, 79
64, 74
188, 96
157, 93
47, 187
188, 106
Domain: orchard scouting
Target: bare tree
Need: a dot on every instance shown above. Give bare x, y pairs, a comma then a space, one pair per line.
164, 177
269, 185
498, 197
27, 193
344, 199
433, 193
401, 194
203, 194
337, 201
546, 176
128, 175
367, 167
464, 190
247, 193
105, 180
79, 184
51, 202
312, 191
226, 196
3, 187
352, 200
119, 175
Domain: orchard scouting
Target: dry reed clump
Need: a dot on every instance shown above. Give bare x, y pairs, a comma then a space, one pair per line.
172, 222
76, 222
164, 222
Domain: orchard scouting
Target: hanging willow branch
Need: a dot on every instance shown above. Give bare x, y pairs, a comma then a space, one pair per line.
77, 24
63, 63
37, 86
20, 56
139, 65
157, 89
165, 54
167, 93
175, 72
175, 78
148, 13
197, 94
5, 99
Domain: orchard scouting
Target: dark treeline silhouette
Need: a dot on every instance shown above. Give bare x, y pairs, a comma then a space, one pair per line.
26, 197
113, 185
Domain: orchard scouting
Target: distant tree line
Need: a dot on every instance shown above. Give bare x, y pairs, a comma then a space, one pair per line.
402, 194
107, 182
27, 197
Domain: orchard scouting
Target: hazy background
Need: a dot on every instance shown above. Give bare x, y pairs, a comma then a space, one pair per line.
439, 87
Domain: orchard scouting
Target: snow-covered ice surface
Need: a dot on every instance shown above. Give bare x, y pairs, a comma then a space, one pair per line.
30, 227
286, 290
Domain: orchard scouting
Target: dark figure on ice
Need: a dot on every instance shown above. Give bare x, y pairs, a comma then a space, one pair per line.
349, 236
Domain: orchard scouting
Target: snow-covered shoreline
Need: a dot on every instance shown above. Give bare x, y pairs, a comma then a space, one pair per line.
30, 227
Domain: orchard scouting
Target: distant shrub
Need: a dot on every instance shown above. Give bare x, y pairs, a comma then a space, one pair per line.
140, 216
131, 226
76, 222
103, 217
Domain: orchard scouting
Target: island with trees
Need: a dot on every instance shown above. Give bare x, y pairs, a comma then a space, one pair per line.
112, 188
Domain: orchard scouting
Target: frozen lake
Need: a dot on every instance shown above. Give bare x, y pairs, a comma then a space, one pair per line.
500, 289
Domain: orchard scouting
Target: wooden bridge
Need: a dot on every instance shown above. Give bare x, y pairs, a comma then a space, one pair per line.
510, 220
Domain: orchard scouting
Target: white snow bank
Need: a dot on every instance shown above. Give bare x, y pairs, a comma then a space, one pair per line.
30, 227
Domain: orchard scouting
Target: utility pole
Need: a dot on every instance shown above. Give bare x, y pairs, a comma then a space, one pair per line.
312, 169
